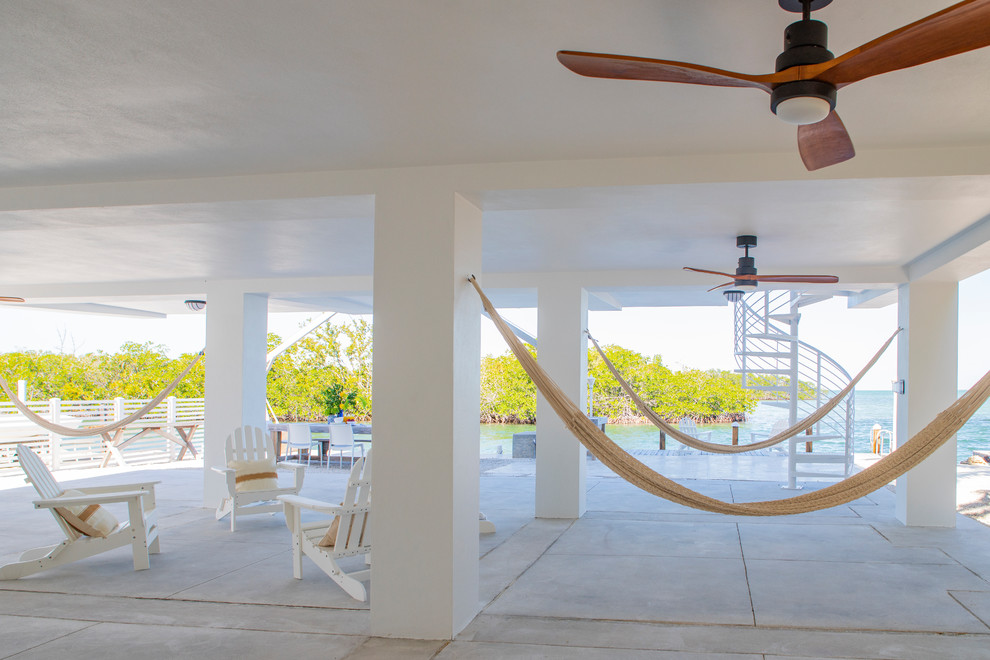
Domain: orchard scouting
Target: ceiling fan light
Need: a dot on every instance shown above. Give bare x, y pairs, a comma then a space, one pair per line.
803, 101
747, 284
195, 305
803, 110
734, 295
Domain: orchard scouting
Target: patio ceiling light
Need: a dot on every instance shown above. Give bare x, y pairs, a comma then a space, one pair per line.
196, 305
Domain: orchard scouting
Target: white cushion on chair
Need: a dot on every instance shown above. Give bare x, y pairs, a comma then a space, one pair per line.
254, 475
88, 519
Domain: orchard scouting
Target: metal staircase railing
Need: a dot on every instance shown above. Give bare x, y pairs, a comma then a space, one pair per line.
772, 359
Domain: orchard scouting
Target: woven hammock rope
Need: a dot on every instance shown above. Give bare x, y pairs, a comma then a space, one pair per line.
905, 457
691, 441
99, 430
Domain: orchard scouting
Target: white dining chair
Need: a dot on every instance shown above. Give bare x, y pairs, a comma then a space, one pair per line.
342, 442
301, 438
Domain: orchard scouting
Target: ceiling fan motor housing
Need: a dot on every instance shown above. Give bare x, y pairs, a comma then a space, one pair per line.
747, 264
805, 42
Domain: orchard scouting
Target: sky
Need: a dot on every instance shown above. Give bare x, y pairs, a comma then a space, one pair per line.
696, 337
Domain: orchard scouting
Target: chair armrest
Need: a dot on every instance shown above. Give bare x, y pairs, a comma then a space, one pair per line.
76, 500
300, 472
310, 504
96, 490
230, 478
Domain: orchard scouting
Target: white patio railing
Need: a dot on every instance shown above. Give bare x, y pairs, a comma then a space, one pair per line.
62, 452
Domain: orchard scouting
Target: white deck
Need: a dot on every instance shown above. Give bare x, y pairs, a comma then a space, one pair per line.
636, 577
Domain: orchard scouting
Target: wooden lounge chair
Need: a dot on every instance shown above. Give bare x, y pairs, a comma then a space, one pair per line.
89, 529
347, 534
251, 475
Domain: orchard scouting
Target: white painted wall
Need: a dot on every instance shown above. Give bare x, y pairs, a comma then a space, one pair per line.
426, 386
236, 341
561, 461
927, 360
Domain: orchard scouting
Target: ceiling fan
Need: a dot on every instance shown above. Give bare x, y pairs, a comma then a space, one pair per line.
746, 277
803, 89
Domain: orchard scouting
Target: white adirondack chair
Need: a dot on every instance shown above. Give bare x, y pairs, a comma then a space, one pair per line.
140, 531
250, 450
351, 537
778, 426
687, 425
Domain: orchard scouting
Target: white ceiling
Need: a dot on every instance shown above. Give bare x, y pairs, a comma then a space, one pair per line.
118, 91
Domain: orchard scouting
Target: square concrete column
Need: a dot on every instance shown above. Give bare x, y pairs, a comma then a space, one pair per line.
426, 389
927, 361
561, 461
236, 343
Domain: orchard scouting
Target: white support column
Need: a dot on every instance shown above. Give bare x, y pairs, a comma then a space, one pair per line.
927, 360
426, 385
561, 461
236, 342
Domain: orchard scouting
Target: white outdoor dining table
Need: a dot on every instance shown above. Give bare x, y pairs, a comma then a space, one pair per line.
317, 429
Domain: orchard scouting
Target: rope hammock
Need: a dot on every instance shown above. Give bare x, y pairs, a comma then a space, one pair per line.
85, 432
905, 457
691, 441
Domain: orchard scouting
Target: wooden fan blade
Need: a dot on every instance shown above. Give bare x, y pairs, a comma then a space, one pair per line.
11, 299
710, 272
601, 65
960, 28
720, 286
816, 279
824, 143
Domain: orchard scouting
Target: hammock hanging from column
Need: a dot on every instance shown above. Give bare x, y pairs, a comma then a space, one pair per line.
905, 457
691, 441
86, 432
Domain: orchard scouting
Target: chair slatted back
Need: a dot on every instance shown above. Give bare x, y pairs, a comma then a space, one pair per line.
688, 426
341, 435
38, 473
354, 533
44, 482
249, 443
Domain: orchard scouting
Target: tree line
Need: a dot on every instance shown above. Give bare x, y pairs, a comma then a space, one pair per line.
509, 396
329, 371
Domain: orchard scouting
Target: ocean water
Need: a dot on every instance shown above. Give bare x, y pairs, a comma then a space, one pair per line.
872, 407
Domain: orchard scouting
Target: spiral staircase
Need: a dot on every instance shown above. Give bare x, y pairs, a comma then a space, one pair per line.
798, 376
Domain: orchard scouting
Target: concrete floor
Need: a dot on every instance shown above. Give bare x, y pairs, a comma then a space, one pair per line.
636, 577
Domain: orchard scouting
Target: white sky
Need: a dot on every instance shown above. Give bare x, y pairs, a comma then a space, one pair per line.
699, 337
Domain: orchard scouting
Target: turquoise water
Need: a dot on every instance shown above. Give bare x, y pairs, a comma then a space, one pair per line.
872, 407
